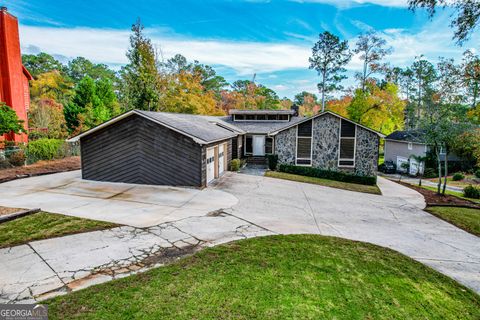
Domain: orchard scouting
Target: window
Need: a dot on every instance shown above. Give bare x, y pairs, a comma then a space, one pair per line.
248, 145
347, 144
250, 117
261, 117
283, 117
304, 143
272, 117
410, 146
239, 117
268, 145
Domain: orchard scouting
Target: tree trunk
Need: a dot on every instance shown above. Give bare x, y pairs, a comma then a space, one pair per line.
323, 92
439, 163
364, 80
446, 171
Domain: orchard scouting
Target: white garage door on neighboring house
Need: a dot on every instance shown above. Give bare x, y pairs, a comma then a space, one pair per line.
221, 159
210, 164
400, 161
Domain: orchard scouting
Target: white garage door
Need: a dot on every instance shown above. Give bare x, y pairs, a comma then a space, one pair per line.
221, 159
210, 164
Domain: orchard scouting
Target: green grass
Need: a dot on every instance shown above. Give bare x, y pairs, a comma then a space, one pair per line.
324, 182
44, 225
452, 193
278, 277
466, 218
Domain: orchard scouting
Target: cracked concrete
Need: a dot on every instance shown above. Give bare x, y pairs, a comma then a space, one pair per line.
261, 206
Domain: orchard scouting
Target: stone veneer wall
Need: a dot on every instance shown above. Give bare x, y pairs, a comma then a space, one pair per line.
326, 130
325, 142
366, 154
286, 145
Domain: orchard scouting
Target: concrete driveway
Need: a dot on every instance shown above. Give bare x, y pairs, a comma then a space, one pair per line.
248, 206
122, 203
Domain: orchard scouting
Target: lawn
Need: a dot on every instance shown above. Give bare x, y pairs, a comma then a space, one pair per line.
324, 182
43, 225
469, 180
278, 277
465, 218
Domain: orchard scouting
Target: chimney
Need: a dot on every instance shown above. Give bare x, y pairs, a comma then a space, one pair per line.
295, 108
3, 9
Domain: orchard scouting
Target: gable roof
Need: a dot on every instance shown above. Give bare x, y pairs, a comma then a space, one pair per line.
416, 136
202, 129
322, 114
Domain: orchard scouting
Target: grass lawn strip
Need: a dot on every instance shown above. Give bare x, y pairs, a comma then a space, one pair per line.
44, 225
467, 219
278, 277
324, 182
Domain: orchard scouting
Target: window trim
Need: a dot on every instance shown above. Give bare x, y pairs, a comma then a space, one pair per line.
296, 149
354, 147
410, 146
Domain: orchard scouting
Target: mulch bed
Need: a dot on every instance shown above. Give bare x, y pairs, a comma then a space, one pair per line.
40, 168
434, 199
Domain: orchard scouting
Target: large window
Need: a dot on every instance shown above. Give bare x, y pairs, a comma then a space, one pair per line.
268, 145
347, 144
304, 143
248, 145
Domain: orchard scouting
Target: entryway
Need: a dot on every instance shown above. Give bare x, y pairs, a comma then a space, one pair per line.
258, 145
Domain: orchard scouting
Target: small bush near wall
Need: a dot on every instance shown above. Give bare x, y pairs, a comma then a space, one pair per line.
235, 164
272, 161
471, 192
17, 159
44, 149
327, 174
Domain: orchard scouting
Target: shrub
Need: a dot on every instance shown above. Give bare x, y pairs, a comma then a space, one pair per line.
477, 173
5, 164
44, 149
458, 176
471, 192
430, 173
328, 174
235, 164
17, 158
272, 161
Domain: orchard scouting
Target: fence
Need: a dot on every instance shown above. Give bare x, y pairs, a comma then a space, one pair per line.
13, 156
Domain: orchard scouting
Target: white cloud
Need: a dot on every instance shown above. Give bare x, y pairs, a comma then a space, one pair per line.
109, 46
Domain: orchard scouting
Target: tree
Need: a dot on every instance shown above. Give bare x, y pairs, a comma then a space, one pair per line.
9, 121
140, 75
47, 114
378, 108
256, 96
51, 85
41, 63
449, 81
92, 104
470, 69
421, 160
466, 19
424, 76
80, 67
371, 48
329, 56
307, 103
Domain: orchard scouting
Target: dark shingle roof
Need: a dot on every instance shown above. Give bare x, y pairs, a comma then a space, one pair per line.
242, 111
262, 127
207, 129
407, 136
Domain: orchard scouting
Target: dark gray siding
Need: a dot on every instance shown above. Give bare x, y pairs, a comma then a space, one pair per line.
136, 150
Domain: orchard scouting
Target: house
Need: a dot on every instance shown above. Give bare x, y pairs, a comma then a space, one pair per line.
192, 150
14, 89
400, 146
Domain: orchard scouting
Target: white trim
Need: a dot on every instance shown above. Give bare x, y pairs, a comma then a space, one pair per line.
311, 149
354, 147
405, 141
410, 146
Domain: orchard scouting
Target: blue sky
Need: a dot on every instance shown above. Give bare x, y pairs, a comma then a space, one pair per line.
239, 38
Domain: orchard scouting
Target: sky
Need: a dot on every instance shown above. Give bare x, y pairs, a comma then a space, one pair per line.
240, 38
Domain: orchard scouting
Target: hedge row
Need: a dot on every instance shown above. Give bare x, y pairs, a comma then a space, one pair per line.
328, 174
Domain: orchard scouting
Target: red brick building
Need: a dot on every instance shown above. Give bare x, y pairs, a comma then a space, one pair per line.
14, 90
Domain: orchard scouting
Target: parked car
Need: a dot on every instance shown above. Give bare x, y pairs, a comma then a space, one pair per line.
388, 167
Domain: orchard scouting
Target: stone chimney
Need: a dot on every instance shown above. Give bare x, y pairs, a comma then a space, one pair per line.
295, 108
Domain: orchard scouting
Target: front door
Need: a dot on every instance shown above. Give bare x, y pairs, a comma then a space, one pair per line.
258, 145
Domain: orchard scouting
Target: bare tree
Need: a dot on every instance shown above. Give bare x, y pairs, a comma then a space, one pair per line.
372, 49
